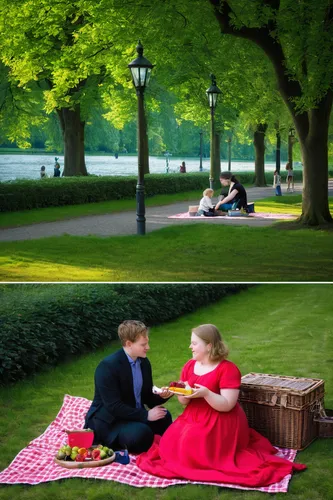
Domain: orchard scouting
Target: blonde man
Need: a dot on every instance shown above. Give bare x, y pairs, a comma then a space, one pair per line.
123, 387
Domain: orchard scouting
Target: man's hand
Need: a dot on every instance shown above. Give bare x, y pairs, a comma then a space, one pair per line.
165, 393
156, 413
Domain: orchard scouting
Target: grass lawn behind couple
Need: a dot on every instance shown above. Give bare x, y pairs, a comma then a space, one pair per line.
278, 329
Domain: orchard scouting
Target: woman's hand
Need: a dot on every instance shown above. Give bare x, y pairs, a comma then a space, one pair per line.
200, 391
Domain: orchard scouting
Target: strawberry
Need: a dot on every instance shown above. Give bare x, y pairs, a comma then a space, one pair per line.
96, 454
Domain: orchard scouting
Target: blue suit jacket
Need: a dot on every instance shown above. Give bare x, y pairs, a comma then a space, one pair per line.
114, 393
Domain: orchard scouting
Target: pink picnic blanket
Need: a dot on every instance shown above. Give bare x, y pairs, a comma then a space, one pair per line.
35, 465
256, 215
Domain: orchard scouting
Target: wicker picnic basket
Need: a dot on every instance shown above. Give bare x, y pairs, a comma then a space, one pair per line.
283, 408
325, 423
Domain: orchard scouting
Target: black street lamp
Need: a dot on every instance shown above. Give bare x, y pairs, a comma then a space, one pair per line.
212, 95
229, 153
141, 69
200, 164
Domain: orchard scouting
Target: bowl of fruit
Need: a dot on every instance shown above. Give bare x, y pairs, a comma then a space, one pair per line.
74, 457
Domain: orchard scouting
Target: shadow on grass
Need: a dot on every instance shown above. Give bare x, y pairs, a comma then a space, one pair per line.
180, 253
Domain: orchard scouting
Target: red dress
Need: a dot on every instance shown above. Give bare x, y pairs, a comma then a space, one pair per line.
204, 444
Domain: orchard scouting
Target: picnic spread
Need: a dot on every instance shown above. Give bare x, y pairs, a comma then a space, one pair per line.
35, 464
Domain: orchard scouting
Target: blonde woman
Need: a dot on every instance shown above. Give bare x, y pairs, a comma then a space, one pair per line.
211, 440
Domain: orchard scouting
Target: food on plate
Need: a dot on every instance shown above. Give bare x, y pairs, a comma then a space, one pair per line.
180, 388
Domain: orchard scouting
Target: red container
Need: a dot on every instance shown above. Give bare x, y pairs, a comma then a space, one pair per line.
81, 438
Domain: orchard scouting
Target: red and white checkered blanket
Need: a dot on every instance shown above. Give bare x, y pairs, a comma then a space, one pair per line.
34, 464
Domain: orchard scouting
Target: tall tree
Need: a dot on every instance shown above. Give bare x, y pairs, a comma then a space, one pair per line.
298, 39
60, 45
20, 109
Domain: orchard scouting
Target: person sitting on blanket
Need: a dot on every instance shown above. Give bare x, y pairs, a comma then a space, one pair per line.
123, 385
211, 440
206, 206
236, 198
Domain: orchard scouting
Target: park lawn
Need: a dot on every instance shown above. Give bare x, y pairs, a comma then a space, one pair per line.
280, 329
52, 214
289, 204
191, 252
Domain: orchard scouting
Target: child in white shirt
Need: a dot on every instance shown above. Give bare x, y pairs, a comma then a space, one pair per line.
206, 207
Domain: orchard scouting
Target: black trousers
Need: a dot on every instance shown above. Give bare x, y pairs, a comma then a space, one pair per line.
135, 436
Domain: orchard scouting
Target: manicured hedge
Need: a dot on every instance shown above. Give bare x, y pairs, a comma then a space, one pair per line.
42, 325
29, 194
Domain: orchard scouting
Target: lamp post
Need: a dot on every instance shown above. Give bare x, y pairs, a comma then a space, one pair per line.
212, 95
291, 139
200, 164
229, 153
140, 70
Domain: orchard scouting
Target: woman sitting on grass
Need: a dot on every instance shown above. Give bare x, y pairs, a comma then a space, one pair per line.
206, 206
211, 440
236, 197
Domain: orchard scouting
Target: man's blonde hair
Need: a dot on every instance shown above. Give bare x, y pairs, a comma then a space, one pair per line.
208, 191
131, 330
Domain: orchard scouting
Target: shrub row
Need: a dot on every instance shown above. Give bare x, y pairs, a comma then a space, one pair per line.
29, 194
43, 325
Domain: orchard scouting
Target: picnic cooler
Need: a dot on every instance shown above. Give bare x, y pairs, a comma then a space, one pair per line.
283, 408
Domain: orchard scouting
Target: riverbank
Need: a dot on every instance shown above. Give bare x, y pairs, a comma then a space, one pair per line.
27, 166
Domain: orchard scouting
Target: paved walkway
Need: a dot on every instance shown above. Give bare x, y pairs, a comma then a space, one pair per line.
125, 223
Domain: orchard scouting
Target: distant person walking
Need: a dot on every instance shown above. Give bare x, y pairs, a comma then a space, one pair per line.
56, 168
290, 177
42, 172
277, 183
182, 168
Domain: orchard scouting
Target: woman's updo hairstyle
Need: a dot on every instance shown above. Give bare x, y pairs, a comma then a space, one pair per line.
211, 335
229, 177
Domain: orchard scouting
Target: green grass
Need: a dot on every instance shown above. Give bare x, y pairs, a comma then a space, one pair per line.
291, 204
51, 214
280, 329
195, 252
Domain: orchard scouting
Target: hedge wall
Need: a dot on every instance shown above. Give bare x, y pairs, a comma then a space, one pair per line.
42, 325
28, 194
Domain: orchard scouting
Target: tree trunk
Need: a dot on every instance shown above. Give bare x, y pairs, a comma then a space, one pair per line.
278, 152
290, 150
120, 142
73, 135
259, 146
315, 209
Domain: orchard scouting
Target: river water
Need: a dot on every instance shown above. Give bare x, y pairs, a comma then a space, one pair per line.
27, 166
